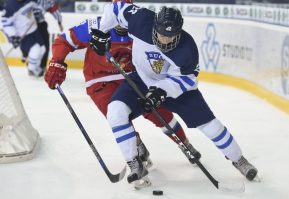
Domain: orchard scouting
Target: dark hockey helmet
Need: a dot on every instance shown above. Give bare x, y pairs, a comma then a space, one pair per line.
168, 23
118, 29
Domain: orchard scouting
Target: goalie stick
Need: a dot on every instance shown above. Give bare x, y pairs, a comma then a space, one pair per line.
112, 177
221, 186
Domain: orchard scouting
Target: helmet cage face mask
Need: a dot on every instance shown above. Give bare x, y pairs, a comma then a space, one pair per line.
165, 47
168, 22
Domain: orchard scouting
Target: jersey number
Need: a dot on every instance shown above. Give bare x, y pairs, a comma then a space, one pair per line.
133, 10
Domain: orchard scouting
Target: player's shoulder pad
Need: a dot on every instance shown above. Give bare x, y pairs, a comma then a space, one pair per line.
130, 11
140, 22
82, 31
11, 7
185, 55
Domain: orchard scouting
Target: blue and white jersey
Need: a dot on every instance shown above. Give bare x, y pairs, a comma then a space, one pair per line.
174, 71
81, 34
49, 6
46, 4
18, 19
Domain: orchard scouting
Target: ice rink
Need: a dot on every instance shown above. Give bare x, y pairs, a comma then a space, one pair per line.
65, 167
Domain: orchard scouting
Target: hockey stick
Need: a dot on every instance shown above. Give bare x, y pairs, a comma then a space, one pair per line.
112, 177
221, 186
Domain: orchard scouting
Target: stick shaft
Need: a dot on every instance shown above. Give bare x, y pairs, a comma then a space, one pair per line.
113, 178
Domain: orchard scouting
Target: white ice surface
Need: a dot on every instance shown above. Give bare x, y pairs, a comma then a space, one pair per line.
66, 168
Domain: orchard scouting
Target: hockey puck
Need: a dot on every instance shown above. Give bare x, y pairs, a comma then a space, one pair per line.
158, 192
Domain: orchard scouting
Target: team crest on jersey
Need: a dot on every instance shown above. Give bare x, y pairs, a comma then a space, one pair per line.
29, 14
156, 61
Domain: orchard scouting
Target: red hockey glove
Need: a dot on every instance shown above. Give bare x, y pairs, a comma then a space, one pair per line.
154, 97
55, 74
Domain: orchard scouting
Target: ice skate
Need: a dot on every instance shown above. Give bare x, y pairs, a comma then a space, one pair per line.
142, 183
138, 174
196, 155
24, 60
37, 72
144, 155
247, 169
138, 171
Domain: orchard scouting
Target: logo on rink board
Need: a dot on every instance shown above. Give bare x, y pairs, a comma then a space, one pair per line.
285, 66
211, 48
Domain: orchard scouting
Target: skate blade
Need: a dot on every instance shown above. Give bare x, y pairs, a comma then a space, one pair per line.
256, 179
148, 164
142, 183
232, 187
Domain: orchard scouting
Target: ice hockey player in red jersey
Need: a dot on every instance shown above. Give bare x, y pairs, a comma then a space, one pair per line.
102, 78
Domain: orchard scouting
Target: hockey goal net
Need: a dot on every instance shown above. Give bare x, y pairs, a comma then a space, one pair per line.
18, 139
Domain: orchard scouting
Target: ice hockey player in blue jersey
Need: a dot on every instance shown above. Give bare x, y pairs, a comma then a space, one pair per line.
167, 65
1, 5
53, 8
20, 26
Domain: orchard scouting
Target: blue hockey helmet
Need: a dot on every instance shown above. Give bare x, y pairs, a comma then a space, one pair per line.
168, 23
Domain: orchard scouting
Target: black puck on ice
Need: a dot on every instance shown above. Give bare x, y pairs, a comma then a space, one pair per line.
158, 192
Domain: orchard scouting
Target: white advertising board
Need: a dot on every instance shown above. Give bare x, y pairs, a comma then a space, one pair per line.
251, 50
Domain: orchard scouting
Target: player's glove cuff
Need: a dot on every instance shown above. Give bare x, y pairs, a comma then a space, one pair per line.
55, 74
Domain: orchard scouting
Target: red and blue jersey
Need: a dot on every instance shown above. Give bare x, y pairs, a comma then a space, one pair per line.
96, 68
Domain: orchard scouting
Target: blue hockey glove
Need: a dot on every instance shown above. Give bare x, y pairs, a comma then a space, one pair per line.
154, 97
100, 42
15, 40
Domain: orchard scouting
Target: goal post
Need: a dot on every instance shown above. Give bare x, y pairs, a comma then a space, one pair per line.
18, 138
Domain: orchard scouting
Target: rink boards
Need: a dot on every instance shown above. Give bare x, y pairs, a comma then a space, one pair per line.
250, 55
